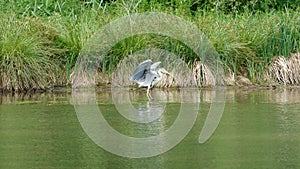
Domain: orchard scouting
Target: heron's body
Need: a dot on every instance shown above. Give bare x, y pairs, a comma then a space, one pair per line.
147, 75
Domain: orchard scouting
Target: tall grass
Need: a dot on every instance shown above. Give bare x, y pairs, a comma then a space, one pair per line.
23, 57
248, 42
73, 31
41, 40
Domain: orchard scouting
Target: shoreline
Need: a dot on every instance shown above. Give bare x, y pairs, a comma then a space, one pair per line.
68, 89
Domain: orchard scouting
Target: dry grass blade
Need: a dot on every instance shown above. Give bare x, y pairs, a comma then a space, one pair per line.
203, 75
286, 71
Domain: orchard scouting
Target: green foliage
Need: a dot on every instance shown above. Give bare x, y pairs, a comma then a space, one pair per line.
23, 61
253, 6
73, 32
50, 7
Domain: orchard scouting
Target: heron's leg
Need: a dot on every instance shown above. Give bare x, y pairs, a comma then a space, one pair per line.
148, 94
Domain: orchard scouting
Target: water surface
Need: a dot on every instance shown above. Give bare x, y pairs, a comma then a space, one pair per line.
259, 129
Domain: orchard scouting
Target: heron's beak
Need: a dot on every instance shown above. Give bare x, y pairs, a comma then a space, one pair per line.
165, 72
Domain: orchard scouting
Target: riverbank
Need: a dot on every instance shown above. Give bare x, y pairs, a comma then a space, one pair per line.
41, 41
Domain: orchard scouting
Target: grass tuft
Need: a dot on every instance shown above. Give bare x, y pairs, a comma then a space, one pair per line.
23, 64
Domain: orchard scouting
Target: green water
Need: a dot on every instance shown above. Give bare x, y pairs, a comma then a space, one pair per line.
259, 129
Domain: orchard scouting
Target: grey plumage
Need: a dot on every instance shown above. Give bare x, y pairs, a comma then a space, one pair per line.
147, 75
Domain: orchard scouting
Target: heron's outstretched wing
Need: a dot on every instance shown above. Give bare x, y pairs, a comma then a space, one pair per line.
140, 71
154, 65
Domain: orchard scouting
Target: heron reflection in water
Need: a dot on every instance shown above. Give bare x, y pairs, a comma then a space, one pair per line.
147, 75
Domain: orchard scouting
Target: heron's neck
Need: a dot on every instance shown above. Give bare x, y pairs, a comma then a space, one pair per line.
159, 73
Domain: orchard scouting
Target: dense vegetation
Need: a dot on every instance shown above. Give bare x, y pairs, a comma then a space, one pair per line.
40, 40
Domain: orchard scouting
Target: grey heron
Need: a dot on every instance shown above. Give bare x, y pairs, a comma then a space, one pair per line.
147, 75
